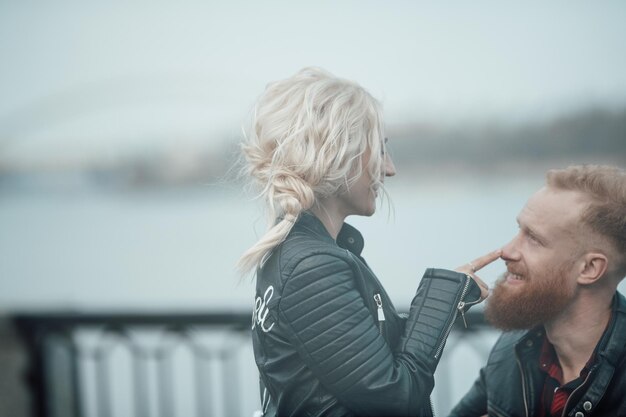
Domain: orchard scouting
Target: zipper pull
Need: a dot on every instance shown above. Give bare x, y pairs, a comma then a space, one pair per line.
379, 303
461, 307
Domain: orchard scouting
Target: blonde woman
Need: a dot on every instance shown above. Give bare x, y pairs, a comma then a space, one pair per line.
327, 338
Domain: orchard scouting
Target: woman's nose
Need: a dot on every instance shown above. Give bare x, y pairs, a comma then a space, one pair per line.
390, 168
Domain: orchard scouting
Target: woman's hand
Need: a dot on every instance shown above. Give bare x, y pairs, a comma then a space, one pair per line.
477, 264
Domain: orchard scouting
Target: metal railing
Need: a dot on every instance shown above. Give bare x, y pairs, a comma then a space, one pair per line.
166, 365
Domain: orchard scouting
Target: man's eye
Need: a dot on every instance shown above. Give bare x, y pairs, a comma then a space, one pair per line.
534, 239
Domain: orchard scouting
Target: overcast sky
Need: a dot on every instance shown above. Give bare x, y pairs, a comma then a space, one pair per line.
87, 78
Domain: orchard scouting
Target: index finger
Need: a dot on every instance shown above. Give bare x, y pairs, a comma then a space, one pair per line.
482, 261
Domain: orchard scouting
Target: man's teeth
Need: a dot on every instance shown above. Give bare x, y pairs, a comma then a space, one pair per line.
515, 276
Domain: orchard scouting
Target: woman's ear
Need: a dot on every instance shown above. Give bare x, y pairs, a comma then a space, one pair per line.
594, 267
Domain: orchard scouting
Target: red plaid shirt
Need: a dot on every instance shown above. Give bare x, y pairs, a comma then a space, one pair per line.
555, 395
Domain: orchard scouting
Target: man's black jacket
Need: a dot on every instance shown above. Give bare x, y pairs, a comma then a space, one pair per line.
328, 340
511, 382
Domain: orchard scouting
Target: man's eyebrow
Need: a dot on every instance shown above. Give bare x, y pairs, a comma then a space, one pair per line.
534, 234
531, 232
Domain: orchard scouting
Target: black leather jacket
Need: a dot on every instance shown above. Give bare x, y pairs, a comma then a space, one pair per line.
328, 340
511, 382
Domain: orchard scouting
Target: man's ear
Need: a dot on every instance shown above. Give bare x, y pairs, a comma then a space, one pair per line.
593, 268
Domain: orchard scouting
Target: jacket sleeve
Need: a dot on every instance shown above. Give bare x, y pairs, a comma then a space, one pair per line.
474, 403
337, 338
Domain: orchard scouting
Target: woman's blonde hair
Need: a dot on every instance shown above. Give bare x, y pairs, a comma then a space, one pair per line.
309, 134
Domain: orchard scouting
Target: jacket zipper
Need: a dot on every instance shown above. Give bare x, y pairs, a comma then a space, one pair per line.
377, 299
460, 306
572, 394
266, 400
523, 384
381, 319
380, 311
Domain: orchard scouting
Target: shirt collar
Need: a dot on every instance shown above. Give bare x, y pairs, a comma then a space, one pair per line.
549, 362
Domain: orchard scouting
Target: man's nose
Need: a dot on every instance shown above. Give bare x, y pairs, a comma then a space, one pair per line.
510, 251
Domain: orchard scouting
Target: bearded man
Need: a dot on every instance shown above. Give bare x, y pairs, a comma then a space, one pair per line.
563, 352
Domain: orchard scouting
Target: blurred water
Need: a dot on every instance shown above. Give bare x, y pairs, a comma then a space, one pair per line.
176, 249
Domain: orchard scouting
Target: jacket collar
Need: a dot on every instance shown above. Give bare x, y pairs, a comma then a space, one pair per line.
348, 238
611, 345
613, 348
608, 354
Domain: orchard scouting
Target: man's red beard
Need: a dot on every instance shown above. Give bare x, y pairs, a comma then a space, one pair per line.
538, 300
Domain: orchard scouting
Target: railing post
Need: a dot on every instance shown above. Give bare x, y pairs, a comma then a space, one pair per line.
34, 375
63, 384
